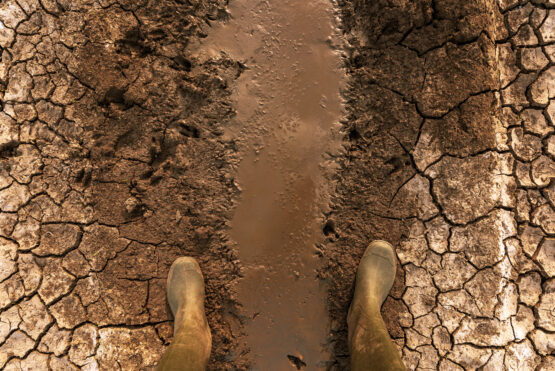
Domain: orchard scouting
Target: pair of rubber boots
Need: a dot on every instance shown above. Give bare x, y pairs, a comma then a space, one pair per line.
369, 342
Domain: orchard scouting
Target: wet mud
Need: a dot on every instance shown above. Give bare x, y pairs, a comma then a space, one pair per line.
288, 108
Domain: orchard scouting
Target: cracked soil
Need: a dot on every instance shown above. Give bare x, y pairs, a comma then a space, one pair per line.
123, 147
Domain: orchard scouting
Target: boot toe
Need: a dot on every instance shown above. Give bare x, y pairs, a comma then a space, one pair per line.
184, 278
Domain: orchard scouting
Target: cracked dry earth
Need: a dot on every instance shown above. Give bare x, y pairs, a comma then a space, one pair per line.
114, 160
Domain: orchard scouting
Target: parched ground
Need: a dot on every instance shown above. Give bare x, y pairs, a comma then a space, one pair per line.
112, 163
111, 166
450, 153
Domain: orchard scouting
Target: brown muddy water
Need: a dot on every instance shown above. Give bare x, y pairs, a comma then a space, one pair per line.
288, 109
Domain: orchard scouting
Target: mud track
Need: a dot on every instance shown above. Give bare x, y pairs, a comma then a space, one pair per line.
119, 152
288, 108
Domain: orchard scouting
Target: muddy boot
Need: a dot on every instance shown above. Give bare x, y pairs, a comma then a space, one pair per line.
190, 348
370, 346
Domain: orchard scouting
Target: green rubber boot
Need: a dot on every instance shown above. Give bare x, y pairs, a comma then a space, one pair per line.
370, 345
190, 348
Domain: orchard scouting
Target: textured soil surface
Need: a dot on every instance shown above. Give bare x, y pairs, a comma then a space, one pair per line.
114, 160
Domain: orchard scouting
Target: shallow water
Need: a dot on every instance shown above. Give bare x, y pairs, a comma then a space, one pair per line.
288, 107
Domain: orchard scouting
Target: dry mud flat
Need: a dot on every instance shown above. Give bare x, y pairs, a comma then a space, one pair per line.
118, 154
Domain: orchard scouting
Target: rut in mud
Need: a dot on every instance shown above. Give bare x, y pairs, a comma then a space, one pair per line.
288, 109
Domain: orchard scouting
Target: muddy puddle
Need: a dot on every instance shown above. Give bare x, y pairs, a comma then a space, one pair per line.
288, 108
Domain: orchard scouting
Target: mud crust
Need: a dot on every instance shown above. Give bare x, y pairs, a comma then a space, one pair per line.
430, 167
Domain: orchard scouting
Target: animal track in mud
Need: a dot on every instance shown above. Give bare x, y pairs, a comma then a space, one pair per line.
188, 130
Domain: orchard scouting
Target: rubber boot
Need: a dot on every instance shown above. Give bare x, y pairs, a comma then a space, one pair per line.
370, 345
192, 341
